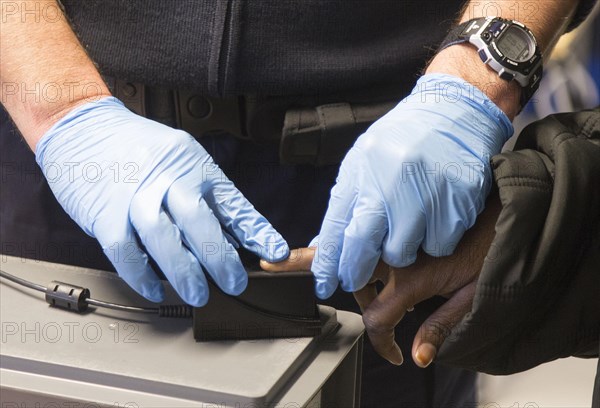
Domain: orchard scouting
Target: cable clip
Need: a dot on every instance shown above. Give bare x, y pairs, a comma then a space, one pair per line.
67, 296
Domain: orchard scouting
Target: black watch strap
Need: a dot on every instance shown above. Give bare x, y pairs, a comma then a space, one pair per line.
460, 34
528, 91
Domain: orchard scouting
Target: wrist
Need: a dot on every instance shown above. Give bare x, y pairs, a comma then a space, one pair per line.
36, 107
47, 116
72, 122
462, 61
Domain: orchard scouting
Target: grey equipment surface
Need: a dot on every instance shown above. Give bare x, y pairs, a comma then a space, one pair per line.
115, 358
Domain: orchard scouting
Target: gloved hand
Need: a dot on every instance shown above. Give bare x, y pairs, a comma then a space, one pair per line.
129, 181
417, 177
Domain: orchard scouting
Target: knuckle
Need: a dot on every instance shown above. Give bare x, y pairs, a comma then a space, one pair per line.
142, 217
367, 141
437, 331
179, 137
185, 207
374, 324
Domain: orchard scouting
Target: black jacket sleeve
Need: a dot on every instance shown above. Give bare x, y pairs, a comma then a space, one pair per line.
538, 295
583, 10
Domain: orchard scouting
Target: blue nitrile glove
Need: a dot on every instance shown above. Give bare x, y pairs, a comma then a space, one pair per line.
418, 176
129, 181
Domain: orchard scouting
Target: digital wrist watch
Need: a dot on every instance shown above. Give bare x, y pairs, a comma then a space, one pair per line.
507, 46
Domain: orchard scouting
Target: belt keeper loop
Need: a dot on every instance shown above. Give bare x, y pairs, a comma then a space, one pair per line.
132, 94
200, 114
323, 135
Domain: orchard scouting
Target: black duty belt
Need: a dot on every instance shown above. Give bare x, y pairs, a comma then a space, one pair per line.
314, 130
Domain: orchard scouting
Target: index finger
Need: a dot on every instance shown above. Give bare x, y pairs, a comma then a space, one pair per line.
240, 217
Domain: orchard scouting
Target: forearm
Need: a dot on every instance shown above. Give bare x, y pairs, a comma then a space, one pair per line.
547, 19
44, 71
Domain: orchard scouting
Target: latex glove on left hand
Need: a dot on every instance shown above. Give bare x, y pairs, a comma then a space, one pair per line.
142, 188
417, 178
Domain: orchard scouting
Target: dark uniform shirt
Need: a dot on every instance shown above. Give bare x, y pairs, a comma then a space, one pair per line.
266, 46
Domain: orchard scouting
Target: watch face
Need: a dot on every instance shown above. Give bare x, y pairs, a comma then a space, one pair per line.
516, 44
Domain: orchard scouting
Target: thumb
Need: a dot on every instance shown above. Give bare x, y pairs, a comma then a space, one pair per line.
439, 325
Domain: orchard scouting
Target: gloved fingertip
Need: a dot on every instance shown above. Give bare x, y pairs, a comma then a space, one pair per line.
238, 285
154, 292
353, 286
197, 298
194, 290
280, 253
324, 289
347, 286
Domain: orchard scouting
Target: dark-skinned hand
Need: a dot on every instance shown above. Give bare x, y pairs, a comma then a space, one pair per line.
454, 277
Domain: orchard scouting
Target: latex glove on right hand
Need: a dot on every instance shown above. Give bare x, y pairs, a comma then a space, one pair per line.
417, 178
129, 181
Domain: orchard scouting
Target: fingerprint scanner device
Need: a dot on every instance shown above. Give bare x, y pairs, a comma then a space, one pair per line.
274, 305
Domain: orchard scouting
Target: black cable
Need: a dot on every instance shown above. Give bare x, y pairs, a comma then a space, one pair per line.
76, 298
115, 306
22, 281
